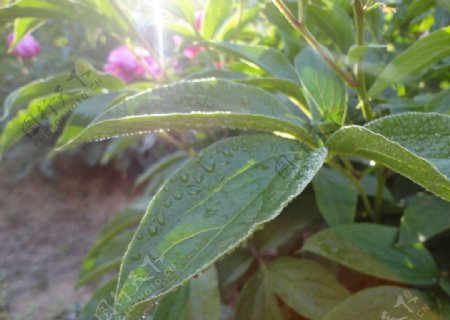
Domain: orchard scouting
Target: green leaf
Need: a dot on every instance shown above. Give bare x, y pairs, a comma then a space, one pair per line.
444, 283
413, 144
22, 26
86, 112
82, 77
192, 220
197, 300
286, 87
287, 226
236, 22
162, 164
204, 298
268, 59
183, 9
173, 306
439, 103
370, 249
424, 218
118, 147
257, 301
233, 266
215, 14
322, 85
336, 197
41, 113
119, 222
100, 305
422, 54
305, 286
386, 302
75, 10
335, 23
194, 105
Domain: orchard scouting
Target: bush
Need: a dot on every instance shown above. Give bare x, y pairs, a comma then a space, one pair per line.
351, 96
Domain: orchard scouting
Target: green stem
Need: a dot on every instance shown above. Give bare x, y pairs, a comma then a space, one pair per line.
358, 12
314, 43
381, 183
362, 193
177, 143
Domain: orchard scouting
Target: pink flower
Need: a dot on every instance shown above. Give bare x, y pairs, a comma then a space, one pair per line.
124, 64
192, 52
27, 48
220, 65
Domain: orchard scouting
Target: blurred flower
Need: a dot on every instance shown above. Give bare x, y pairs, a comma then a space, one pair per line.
128, 66
192, 52
219, 65
27, 48
199, 20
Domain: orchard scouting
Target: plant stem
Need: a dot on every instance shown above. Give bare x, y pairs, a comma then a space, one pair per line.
177, 143
358, 13
362, 193
381, 182
314, 43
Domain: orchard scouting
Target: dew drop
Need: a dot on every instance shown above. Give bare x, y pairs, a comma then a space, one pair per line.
167, 203
153, 230
209, 165
160, 218
194, 190
183, 177
135, 256
139, 236
178, 194
227, 153
198, 177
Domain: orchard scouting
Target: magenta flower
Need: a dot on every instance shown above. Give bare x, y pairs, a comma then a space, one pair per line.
192, 52
27, 48
127, 66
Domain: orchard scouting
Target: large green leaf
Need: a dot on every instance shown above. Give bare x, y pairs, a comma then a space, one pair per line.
386, 302
336, 197
194, 105
215, 14
207, 208
305, 286
268, 59
416, 58
415, 145
370, 248
424, 218
257, 301
323, 85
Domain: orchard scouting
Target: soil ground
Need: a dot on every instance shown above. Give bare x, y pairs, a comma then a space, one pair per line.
46, 226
